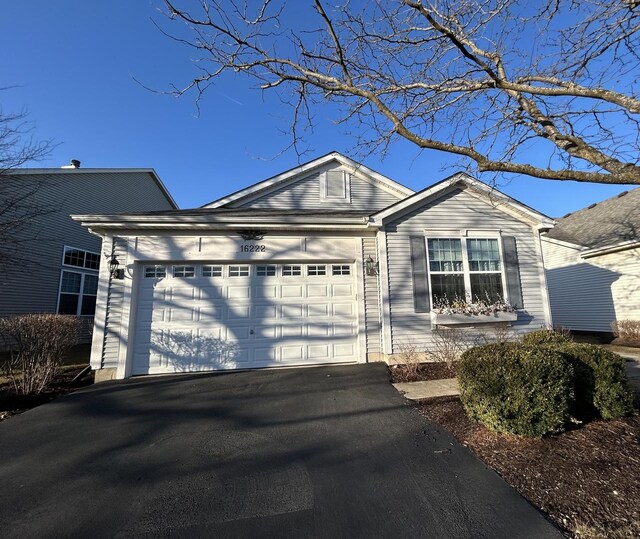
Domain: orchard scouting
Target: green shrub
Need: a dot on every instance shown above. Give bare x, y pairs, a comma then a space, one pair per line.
601, 384
546, 337
517, 389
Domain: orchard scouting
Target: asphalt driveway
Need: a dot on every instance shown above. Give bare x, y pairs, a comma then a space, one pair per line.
324, 452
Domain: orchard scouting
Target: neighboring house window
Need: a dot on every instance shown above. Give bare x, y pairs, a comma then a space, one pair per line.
77, 293
335, 185
465, 268
78, 289
81, 259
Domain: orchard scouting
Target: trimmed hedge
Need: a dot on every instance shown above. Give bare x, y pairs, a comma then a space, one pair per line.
546, 337
537, 386
601, 384
518, 389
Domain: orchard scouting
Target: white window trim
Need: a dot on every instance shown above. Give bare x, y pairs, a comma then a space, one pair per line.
346, 178
80, 293
82, 268
466, 271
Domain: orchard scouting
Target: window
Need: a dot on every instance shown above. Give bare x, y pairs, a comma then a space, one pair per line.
265, 271
81, 259
77, 293
184, 271
238, 271
467, 268
340, 270
316, 270
155, 272
291, 271
212, 271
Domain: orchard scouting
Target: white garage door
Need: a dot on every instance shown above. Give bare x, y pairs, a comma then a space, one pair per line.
234, 316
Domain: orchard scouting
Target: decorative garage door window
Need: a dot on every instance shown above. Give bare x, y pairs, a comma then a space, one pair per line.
184, 271
291, 271
265, 271
238, 271
212, 271
316, 270
341, 270
155, 272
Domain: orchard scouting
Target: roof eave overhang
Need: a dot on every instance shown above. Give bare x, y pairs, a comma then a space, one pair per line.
104, 223
598, 251
512, 206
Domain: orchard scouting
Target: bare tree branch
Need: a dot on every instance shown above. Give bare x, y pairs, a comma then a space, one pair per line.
504, 84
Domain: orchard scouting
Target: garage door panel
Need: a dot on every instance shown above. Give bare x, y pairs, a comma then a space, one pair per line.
292, 311
342, 290
291, 291
238, 292
265, 312
317, 310
190, 324
318, 352
317, 290
265, 291
343, 309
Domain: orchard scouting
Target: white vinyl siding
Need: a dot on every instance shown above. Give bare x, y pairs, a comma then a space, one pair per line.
114, 310
306, 193
587, 294
371, 299
454, 210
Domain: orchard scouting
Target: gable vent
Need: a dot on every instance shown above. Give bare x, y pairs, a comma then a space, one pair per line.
335, 186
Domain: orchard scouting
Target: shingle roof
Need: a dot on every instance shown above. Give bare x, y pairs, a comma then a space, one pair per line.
606, 223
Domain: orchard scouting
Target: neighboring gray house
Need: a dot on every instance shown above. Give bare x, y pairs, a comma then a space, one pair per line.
54, 262
592, 260
329, 262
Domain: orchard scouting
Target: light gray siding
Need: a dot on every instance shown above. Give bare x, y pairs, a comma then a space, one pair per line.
371, 298
455, 210
304, 193
115, 305
32, 284
589, 294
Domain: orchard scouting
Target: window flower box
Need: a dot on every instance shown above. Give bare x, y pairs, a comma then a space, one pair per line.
472, 319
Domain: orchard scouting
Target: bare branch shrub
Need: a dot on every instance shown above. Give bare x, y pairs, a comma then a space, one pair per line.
409, 361
448, 345
500, 333
38, 343
627, 330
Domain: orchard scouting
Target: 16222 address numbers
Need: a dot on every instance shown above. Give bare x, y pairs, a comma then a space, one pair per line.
253, 248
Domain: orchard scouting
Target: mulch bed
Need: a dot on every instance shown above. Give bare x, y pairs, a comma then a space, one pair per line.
587, 479
12, 404
422, 371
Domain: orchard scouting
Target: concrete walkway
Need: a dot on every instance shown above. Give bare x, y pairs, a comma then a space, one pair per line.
429, 389
448, 387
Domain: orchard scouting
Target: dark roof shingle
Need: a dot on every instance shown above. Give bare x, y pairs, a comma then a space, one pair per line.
606, 223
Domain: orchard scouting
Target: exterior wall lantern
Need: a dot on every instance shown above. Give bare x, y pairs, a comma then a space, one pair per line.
114, 269
371, 266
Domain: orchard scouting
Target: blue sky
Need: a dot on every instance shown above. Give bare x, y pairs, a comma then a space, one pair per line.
73, 65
